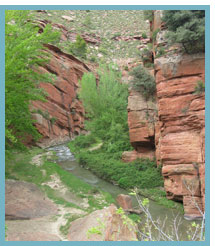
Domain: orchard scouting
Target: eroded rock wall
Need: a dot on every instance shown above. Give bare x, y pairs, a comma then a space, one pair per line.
180, 138
180, 129
141, 122
62, 116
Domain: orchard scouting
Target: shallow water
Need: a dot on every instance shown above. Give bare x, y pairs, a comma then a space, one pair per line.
67, 160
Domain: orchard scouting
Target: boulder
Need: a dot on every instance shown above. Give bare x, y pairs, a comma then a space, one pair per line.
124, 201
103, 225
24, 200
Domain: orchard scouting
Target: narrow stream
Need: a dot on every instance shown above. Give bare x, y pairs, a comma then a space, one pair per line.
67, 161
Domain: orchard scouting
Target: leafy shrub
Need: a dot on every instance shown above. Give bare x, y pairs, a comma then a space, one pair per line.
84, 141
200, 88
186, 27
142, 173
160, 51
144, 35
143, 81
79, 48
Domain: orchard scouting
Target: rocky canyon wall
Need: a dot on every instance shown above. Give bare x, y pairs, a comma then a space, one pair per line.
180, 130
174, 125
62, 115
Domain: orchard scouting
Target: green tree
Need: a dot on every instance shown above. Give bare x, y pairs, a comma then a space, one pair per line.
186, 27
24, 54
106, 107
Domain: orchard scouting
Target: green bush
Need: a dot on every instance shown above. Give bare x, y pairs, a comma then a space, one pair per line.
144, 35
200, 88
160, 51
84, 141
143, 81
142, 173
79, 48
186, 27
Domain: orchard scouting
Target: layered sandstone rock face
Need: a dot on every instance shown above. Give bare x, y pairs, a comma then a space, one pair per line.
180, 131
62, 115
141, 122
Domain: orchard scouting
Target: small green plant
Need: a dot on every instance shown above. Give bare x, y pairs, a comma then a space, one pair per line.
115, 35
149, 65
185, 109
79, 48
87, 21
103, 50
144, 35
6, 228
64, 229
160, 51
53, 120
97, 229
200, 88
154, 34
143, 81
126, 220
93, 58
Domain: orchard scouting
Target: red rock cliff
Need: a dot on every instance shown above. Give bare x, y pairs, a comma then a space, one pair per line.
179, 130
62, 115
180, 133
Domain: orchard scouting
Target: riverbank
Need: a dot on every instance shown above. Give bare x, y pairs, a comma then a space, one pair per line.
142, 173
72, 197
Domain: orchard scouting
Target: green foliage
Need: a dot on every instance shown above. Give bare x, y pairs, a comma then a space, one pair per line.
106, 107
79, 48
186, 27
84, 141
200, 88
143, 81
159, 196
23, 56
154, 34
64, 229
144, 35
87, 21
160, 51
134, 217
141, 173
148, 15
6, 228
